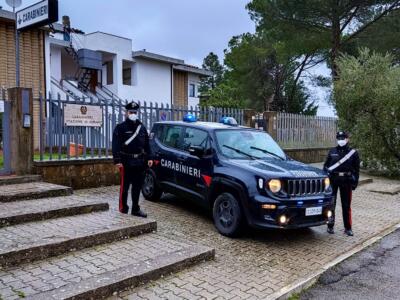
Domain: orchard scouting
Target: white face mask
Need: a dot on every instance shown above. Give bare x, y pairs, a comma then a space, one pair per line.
133, 117
342, 143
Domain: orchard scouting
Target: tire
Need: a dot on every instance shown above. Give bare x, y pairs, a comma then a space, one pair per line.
227, 215
150, 190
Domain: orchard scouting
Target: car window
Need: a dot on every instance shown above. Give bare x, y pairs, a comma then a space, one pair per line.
255, 143
171, 136
159, 132
195, 137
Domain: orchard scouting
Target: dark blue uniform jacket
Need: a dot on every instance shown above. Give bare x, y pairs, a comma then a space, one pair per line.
350, 167
140, 145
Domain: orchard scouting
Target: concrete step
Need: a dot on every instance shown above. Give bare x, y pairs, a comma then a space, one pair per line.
32, 190
365, 180
34, 241
14, 179
100, 271
385, 188
19, 212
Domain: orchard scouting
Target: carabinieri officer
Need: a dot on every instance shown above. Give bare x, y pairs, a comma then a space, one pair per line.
343, 166
131, 152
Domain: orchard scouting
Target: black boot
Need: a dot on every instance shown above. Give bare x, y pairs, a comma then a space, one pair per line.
139, 213
349, 232
330, 230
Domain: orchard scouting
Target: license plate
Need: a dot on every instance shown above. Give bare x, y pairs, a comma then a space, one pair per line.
314, 211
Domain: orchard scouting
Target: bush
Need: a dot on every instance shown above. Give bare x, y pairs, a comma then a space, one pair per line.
367, 99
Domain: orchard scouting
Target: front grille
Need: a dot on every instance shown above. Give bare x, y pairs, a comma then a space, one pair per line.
305, 187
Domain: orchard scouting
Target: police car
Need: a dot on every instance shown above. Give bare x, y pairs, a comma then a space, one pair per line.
240, 173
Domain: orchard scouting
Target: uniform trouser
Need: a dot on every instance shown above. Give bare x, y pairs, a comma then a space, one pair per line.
345, 197
130, 176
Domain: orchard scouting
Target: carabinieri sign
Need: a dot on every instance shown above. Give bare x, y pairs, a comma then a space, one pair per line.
39, 14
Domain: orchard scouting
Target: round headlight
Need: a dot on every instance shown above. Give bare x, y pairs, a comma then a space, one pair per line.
327, 183
275, 185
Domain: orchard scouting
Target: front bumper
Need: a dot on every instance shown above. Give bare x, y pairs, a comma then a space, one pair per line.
294, 210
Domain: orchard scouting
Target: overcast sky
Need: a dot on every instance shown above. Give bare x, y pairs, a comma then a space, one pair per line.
185, 29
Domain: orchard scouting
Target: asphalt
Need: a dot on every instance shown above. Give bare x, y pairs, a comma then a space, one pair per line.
373, 273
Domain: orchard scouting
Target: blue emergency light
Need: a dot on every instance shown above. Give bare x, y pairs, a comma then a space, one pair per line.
228, 121
189, 118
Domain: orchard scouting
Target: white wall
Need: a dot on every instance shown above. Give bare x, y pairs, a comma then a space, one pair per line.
47, 62
55, 62
152, 82
121, 47
193, 79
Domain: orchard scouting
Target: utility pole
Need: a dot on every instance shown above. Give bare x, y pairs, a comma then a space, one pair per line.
14, 4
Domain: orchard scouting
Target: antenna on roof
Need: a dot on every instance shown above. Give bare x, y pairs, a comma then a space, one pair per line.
14, 4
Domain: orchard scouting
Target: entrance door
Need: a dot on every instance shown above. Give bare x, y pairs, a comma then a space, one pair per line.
5, 162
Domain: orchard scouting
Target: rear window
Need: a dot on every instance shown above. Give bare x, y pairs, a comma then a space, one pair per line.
169, 136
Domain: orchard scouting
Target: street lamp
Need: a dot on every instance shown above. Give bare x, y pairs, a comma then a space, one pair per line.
15, 4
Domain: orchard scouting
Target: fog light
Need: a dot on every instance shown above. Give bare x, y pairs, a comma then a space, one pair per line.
269, 206
329, 214
282, 219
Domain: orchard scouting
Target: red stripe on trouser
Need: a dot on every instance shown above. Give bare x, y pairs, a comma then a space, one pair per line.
121, 188
350, 197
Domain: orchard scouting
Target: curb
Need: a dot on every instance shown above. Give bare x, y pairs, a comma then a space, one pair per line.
303, 284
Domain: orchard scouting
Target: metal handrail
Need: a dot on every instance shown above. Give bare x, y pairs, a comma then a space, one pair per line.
110, 93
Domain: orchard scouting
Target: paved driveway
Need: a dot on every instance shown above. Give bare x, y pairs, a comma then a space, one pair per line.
260, 263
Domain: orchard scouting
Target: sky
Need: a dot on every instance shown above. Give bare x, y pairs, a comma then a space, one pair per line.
185, 29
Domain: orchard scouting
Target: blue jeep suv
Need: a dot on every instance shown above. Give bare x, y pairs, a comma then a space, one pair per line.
240, 173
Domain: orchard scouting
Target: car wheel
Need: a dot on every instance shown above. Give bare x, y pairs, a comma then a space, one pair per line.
227, 215
150, 189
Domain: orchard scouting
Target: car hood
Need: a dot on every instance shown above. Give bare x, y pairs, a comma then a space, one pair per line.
279, 168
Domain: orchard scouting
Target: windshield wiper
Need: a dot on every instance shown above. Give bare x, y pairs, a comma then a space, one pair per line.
267, 152
241, 152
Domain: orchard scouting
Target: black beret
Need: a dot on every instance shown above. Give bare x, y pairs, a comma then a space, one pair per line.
132, 106
342, 134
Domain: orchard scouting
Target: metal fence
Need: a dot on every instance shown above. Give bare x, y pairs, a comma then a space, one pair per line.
61, 142
300, 131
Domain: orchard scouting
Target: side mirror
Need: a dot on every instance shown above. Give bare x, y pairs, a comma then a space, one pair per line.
197, 151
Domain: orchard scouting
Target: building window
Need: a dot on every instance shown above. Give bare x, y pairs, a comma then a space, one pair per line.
127, 76
110, 72
192, 90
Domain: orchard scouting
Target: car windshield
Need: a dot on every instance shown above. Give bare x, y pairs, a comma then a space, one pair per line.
248, 144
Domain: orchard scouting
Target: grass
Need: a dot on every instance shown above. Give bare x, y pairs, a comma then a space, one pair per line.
295, 296
46, 157
20, 294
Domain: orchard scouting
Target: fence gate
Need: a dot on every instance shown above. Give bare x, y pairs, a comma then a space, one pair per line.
5, 109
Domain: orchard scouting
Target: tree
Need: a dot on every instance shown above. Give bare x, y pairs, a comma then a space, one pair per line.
367, 102
319, 27
264, 78
211, 63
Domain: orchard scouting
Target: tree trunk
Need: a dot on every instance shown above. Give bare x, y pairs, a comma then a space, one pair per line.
335, 40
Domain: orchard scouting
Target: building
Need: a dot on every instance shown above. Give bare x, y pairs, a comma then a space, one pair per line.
103, 65
32, 61
59, 60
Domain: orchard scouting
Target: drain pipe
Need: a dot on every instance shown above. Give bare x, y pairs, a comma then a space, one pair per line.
172, 85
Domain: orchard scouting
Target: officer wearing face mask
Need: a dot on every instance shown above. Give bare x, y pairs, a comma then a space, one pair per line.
131, 153
343, 166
